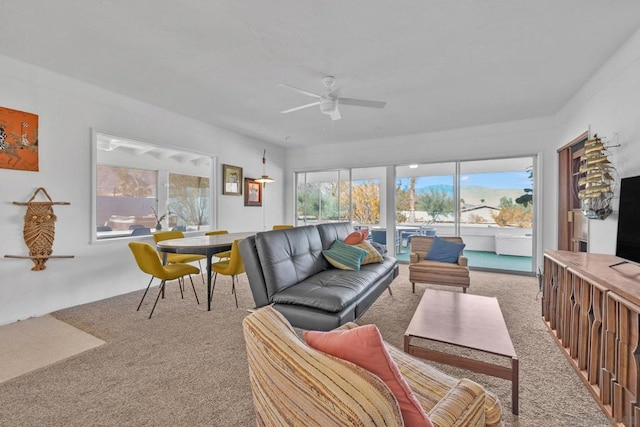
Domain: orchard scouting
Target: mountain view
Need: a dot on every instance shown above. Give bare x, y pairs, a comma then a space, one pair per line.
474, 194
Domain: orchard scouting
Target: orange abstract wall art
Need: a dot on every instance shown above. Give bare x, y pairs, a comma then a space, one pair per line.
18, 140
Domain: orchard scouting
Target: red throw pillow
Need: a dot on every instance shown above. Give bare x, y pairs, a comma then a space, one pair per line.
354, 238
364, 347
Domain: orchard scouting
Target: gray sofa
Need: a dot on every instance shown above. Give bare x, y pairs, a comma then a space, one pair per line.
286, 268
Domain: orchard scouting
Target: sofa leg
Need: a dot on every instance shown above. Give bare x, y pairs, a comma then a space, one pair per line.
464, 290
413, 285
389, 289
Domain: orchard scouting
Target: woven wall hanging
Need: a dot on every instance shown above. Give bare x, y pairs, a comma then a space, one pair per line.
39, 230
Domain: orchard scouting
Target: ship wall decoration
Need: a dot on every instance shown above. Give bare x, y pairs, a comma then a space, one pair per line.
596, 183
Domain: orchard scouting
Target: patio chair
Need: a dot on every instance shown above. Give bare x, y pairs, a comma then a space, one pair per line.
380, 236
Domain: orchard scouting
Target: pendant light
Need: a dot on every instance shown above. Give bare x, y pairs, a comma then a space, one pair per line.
264, 179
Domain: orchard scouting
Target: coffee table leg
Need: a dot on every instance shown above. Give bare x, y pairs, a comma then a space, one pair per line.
514, 385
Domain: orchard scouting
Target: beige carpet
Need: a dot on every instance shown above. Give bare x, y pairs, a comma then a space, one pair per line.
31, 344
187, 366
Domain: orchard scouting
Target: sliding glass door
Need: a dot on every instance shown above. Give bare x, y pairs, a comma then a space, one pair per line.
425, 203
489, 203
496, 213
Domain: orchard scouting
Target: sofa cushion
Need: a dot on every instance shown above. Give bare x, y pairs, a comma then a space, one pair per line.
354, 238
372, 253
289, 256
332, 290
332, 231
364, 347
344, 257
444, 251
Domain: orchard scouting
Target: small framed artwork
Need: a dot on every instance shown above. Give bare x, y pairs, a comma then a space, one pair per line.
252, 192
231, 180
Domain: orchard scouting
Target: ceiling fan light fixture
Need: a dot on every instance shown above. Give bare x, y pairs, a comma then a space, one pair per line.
329, 103
328, 106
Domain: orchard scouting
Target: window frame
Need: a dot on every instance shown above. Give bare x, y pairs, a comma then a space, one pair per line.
205, 163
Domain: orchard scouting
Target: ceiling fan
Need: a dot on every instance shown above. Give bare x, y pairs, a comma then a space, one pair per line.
329, 102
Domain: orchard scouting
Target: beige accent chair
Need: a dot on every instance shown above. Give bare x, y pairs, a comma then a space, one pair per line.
436, 272
294, 384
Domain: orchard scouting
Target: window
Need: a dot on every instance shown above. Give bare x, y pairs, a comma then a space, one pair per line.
125, 198
188, 201
322, 197
141, 185
489, 203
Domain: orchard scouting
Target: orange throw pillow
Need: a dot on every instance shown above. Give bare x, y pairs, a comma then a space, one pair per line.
354, 238
364, 347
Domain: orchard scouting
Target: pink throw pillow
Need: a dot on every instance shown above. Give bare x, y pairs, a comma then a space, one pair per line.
354, 238
364, 347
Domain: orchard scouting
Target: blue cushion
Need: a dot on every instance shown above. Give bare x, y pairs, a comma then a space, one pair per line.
444, 251
344, 257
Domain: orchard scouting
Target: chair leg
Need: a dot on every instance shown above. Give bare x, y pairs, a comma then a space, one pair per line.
201, 272
157, 298
389, 289
233, 289
213, 285
145, 293
180, 285
194, 290
413, 285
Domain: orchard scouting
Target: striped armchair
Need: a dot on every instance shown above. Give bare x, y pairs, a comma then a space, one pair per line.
294, 384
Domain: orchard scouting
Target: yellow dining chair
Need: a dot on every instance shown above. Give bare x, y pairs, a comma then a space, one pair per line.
282, 227
149, 262
231, 267
224, 254
178, 258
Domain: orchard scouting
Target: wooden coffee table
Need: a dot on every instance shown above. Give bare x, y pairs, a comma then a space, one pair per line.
464, 320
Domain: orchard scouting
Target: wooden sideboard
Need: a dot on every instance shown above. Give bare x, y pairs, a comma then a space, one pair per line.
593, 311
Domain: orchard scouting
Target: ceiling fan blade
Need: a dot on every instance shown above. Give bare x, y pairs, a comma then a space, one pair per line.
362, 102
290, 110
302, 91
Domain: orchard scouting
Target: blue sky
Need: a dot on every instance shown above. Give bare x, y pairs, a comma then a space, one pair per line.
492, 180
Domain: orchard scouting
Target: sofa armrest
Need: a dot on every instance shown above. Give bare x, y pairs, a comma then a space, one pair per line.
463, 405
463, 260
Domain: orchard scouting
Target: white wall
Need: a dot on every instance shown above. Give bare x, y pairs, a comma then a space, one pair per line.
608, 104
67, 111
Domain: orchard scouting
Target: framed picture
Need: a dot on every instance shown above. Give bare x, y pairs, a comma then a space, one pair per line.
252, 192
231, 180
18, 140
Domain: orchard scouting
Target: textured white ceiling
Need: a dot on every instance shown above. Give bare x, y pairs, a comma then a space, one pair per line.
438, 64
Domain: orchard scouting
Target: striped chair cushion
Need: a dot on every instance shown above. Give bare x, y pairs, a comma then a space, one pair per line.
434, 390
293, 384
